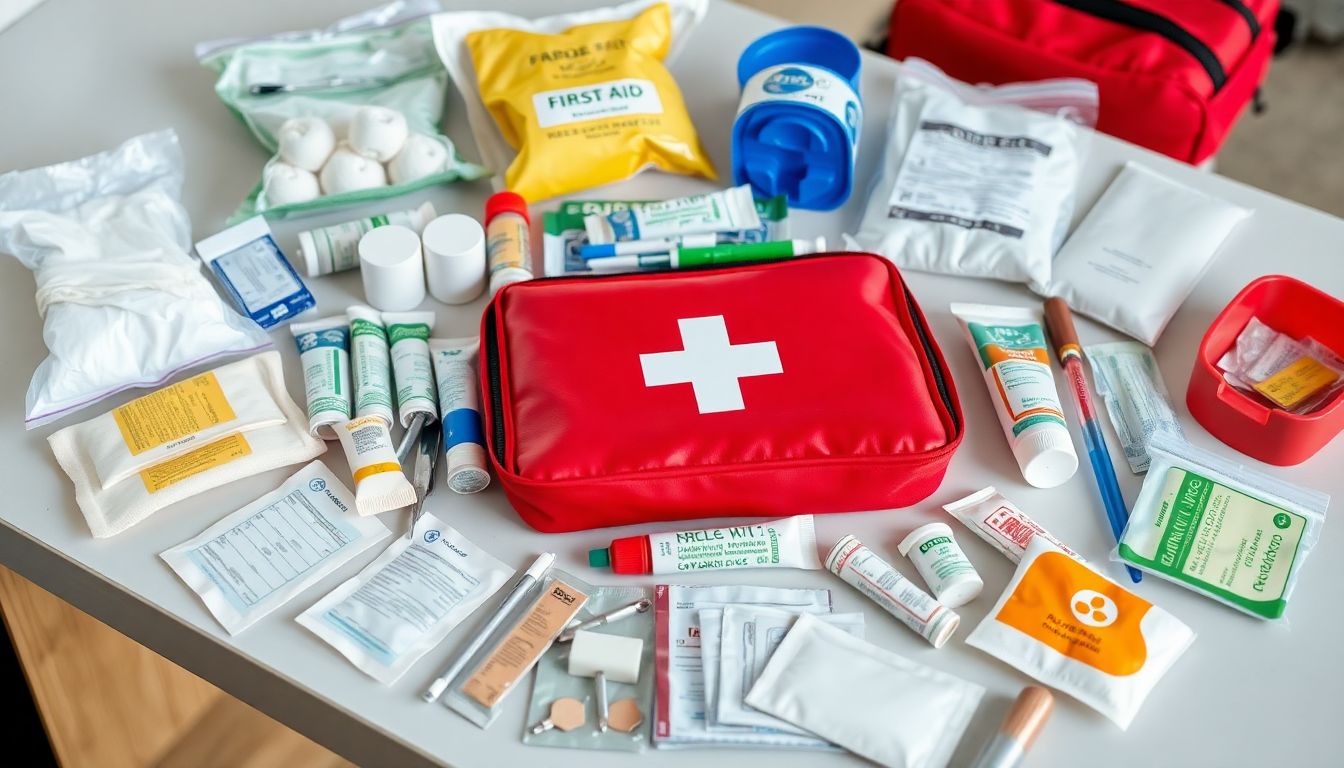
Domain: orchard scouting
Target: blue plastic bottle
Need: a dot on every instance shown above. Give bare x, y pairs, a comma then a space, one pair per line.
797, 127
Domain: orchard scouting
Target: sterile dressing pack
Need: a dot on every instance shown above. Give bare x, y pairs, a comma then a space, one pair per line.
977, 181
123, 302
1138, 253
262, 556
1136, 398
405, 603
198, 434
576, 100
1075, 630
1222, 528
874, 703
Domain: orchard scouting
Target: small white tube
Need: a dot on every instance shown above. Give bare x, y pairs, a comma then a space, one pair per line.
412, 370
862, 569
727, 210
324, 353
370, 365
336, 248
992, 517
380, 485
1009, 344
460, 404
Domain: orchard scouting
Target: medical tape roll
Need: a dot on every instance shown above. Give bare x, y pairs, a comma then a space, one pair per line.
454, 248
392, 268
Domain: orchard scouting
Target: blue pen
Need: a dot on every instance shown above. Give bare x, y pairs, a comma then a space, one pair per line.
1059, 320
640, 247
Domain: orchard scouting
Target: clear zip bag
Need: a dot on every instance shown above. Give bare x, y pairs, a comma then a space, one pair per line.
381, 61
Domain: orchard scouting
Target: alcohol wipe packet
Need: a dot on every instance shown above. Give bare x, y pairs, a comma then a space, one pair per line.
1073, 629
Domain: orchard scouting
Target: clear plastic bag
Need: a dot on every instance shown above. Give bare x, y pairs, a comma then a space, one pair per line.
553, 680
123, 302
383, 57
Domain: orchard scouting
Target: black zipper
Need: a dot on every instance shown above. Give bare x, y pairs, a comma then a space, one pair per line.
1139, 18
497, 391
1244, 11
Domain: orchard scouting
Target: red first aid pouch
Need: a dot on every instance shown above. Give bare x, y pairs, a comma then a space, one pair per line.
772, 389
1172, 76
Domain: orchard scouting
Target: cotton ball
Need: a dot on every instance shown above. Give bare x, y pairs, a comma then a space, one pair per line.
306, 142
377, 132
285, 184
422, 156
347, 171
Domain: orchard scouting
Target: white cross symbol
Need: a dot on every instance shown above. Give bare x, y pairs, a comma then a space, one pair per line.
710, 364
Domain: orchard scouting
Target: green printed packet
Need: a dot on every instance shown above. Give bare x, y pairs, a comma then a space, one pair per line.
384, 56
563, 232
1234, 533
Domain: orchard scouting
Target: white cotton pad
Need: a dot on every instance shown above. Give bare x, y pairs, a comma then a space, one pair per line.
420, 157
306, 142
377, 132
617, 656
285, 184
347, 171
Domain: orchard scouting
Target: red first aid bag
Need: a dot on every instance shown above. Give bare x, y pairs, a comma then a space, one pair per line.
1172, 76
773, 389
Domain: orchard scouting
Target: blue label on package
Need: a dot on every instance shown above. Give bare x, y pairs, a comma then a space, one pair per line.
262, 282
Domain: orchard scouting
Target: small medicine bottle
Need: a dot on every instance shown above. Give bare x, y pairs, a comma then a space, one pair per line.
945, 568
507, 247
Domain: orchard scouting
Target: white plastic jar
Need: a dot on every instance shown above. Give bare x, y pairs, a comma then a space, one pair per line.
945, 568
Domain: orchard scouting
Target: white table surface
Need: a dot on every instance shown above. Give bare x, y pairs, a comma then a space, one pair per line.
82, 75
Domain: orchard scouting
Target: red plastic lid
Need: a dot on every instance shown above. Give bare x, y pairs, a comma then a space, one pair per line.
506, 202
631, 555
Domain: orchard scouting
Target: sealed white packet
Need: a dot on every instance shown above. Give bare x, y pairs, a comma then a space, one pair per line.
407, 601
111, 508
749, 636
258, 558
875, 703
1077, 631
977, 181
1139, 252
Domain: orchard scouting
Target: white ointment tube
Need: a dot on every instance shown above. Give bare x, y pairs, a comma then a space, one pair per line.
412, 371
380, 485
991, 516
336, 248
787, 543
324, 352
862, 569
1009, 344
370, 365
460, 404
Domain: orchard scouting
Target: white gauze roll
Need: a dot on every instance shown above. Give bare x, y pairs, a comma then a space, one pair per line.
285, 184
306, 142
347, 171
377, 132
420, 157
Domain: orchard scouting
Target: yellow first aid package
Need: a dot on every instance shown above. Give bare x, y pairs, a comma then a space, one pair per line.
577, 100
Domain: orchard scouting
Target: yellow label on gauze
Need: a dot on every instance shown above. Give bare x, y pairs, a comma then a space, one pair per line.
172, 413
1299, 380
588, 106
208, 456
